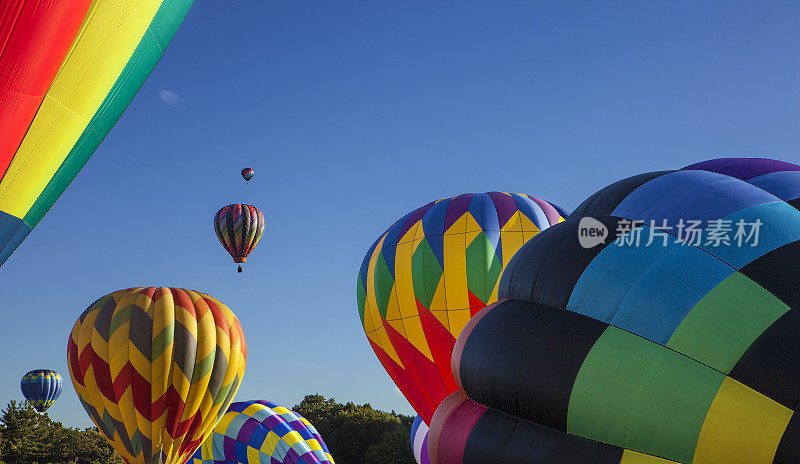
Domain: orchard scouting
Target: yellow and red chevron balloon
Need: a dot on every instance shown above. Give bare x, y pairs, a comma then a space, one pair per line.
68, 70
156, 368
426, 276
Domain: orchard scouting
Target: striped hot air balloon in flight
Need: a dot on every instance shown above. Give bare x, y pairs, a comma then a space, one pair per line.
239, 228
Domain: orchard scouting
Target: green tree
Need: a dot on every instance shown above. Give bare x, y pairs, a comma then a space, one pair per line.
394, 446
359, 434
22, 443
29, 437
89, 446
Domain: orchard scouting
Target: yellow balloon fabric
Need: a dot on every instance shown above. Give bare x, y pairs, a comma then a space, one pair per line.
156, 368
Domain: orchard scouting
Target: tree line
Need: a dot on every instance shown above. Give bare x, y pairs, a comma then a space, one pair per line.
27, 437
355, 434
359, 434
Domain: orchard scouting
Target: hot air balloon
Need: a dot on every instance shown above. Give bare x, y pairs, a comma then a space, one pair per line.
436, 267
254, 432
41, 388
653, 345
419, 441
57, 107
155, 369
247, 174
239, 228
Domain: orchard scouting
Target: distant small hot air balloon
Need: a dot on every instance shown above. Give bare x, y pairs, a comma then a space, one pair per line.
239, 228
41, 388
248, 173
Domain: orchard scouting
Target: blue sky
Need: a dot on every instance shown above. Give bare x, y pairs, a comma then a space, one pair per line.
354, 113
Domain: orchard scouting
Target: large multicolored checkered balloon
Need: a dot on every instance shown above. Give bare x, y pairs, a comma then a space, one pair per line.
674, 338
263, 432
41, 388
426, 276
156, 368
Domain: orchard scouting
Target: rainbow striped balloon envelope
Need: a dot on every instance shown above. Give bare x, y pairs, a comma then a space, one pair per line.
68, 70
436, 267
672, 336
263, 432
41, 388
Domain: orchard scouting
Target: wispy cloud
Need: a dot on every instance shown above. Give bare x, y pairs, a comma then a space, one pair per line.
170, 98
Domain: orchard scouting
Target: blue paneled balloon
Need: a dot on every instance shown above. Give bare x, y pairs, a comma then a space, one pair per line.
41, 388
